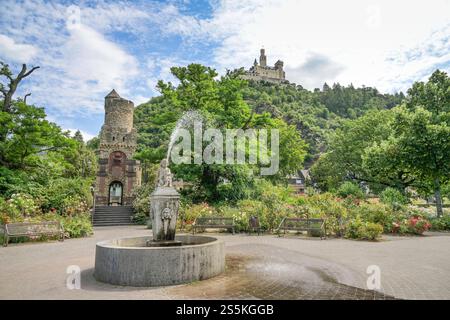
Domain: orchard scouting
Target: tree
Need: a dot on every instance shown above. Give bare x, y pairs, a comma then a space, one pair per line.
429, 111
425, 142
29, 136
419, 143
12, 83
221, 103
78, 136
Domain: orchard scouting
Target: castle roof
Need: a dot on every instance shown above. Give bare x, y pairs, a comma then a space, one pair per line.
113, 94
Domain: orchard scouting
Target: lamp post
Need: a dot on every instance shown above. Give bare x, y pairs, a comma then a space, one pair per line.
93, 203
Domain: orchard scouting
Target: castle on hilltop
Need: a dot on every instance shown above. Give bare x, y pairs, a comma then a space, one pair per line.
263, 72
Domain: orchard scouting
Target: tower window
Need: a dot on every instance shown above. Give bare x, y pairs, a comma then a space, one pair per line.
114, 138
123, 139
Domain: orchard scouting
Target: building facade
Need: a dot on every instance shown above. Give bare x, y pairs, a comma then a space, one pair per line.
118, 173
264, 72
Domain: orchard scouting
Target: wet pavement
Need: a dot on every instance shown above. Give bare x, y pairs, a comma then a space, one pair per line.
255, 277
257, 267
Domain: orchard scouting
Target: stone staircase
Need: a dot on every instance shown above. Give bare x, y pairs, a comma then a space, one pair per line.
113, 216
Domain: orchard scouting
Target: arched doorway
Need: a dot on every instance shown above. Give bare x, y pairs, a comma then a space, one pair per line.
115, 193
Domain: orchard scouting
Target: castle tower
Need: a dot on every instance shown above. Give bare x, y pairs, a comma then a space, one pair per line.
279, 67
263, 59
118, 173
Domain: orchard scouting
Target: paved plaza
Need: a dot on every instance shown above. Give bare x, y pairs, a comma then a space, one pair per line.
257, 267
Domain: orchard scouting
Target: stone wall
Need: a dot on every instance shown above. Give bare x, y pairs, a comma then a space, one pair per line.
116, 149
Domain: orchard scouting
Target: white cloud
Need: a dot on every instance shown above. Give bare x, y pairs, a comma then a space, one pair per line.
358, 36
17, 52
80, 65
387, 44
90, 58
81, 71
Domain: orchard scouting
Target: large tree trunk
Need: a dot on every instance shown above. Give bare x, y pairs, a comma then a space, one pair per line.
437, 195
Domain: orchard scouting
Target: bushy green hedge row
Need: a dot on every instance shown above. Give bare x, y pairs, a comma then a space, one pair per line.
350, 217
73, 213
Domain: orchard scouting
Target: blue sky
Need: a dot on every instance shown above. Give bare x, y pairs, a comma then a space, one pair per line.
86, 48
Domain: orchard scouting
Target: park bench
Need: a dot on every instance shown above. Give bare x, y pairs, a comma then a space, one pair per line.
32, 229
254, 225
213, 223
303, 224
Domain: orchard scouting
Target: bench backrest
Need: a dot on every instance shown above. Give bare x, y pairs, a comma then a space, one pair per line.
214, 221
300, 223
29, 228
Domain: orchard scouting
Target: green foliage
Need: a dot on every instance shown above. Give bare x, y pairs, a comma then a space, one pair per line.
45, 174
406, 146
346, 150
17, 208
61, 194
359, 229
350, 102
374, 212
325, 206
441, 223
141, 202
348, 189
77, 226
254, 208
28, 136
324, 173
393, 197
240, 217
418, 145
189, 212
221, 103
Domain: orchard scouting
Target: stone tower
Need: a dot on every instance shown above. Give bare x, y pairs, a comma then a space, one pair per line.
263, 59
118, 173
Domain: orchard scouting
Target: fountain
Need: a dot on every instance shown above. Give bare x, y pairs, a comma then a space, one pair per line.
164, 259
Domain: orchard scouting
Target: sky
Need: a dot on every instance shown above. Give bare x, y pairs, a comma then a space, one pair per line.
87, 48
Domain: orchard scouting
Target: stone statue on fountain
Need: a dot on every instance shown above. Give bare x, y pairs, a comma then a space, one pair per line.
164, 204
164, 175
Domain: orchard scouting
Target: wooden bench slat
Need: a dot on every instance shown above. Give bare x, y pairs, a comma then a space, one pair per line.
29, 229
302, 224
213, 222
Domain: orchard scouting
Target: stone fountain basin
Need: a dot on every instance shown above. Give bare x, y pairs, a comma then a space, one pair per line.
129, 262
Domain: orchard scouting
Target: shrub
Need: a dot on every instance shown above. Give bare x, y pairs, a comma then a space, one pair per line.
141, 203
418, 225
327, 207
375, 213
410, 224
240, 217
350, 189
358, 229
273, 199
255, 208
140, 218
188, 213
60, 192
17, 208
393, 197
77, 226
440, 224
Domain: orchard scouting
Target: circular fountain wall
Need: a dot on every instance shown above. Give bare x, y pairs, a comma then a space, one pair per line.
130, 262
